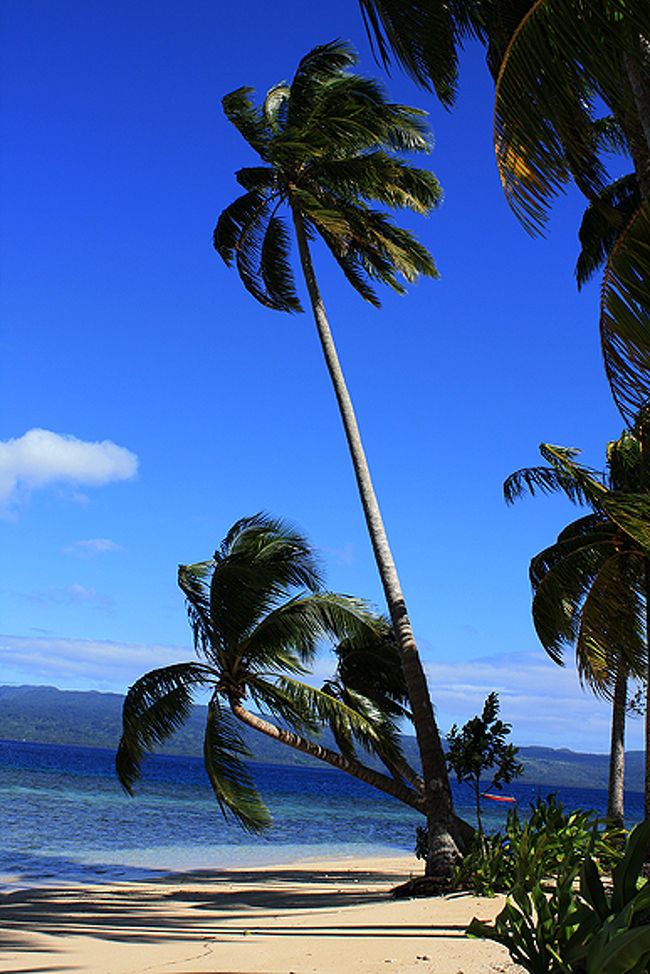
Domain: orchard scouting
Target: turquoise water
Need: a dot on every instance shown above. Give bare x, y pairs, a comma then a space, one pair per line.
65, 817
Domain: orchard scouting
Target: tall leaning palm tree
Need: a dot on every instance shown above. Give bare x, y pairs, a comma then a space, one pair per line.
589, 587
258, 612
331, 143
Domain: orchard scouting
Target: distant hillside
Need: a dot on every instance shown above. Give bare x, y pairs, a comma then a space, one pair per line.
50, 716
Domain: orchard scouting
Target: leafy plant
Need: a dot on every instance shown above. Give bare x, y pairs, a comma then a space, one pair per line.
585, 931
541, 850
481, 746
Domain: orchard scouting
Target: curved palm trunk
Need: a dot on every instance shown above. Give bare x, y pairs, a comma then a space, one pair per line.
378, 780
445, 841
615, 805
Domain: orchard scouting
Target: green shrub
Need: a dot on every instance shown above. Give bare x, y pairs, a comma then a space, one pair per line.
587, 931
549, 844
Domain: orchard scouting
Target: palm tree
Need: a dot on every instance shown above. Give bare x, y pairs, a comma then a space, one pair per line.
572, 85
589, 587
330, 142
257, 613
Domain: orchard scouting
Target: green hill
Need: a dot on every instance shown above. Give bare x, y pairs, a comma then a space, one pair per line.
91, 719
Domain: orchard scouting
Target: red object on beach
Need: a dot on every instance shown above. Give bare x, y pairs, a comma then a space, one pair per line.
497, 798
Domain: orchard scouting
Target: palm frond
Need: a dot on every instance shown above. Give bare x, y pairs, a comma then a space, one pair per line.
278, 701
258, 564
626, 463
612, 624
155, 706
248, 120
631, 512
602, 223
589, 526
275, 267
421, 36
320, 65
276, 105
367, 245
375, 732
625, 316
562, 57
377, 176
301, 622
577, 483
278, 550
560, 584
230, 779
370, 664
249, 233
257, 179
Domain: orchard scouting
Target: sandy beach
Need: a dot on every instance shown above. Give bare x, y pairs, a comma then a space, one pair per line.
328, 917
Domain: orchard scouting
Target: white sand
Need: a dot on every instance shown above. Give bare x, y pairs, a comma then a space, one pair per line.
327, 917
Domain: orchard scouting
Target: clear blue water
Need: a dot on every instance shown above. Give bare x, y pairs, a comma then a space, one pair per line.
65, 817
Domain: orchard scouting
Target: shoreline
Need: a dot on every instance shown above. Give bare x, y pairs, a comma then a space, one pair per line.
326, 916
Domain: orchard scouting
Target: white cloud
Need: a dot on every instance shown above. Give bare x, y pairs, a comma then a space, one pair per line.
544, 702
42, 458
345, 554
74, 594
82, 664
93, 546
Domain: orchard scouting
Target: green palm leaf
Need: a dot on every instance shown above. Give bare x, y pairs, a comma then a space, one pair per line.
229, 776
258, 561
371, 729
247, 119
610, 634
631, 512
155, 706
602, 223
562, 57
625, 316
588, 526
277, 700
422, 37
578, 483
560, 580
301, 622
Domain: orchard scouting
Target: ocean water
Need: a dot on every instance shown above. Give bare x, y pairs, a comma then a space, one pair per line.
65, 817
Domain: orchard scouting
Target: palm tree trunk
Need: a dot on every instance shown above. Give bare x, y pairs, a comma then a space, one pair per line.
639, 138
445, 841
637, 77
615, 793
355, 768
646, 787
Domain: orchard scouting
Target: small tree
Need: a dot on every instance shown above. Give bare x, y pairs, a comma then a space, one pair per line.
480, 746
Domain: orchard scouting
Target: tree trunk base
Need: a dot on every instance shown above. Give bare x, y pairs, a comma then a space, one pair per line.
422, 886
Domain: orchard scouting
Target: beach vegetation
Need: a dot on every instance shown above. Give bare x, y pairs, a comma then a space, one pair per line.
478, 747
538, 849
332, 144
579, 925
258, 613
590, 587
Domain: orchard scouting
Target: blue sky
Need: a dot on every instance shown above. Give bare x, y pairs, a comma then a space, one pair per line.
173, 404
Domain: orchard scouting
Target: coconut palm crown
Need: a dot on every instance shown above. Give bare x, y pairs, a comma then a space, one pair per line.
331, 142
589, 587
258, 613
